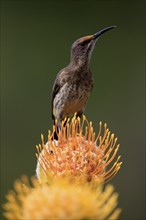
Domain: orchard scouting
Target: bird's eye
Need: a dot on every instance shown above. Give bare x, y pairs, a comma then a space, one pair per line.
83, 43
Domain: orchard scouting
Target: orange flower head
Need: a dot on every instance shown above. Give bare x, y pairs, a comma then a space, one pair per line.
78, 152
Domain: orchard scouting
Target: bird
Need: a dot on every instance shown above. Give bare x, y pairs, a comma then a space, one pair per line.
74, 83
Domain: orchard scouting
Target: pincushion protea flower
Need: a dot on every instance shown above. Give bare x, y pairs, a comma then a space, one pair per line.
61, 200
79, 153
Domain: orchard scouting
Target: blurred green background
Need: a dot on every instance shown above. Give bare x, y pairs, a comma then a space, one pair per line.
36, 37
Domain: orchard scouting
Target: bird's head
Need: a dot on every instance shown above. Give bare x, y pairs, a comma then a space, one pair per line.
82, 48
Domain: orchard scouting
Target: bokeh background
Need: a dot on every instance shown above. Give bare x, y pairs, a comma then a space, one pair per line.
36, 37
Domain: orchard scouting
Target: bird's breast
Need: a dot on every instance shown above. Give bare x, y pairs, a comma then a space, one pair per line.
73, 95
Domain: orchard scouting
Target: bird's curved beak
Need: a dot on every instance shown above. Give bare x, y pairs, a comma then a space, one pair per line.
97, 34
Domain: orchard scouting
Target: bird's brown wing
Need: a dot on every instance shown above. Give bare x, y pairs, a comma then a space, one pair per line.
56, 89
61, 79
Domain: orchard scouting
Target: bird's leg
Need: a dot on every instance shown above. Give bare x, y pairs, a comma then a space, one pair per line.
57, 124
65, 121
57, 128
79, 114
56, 131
